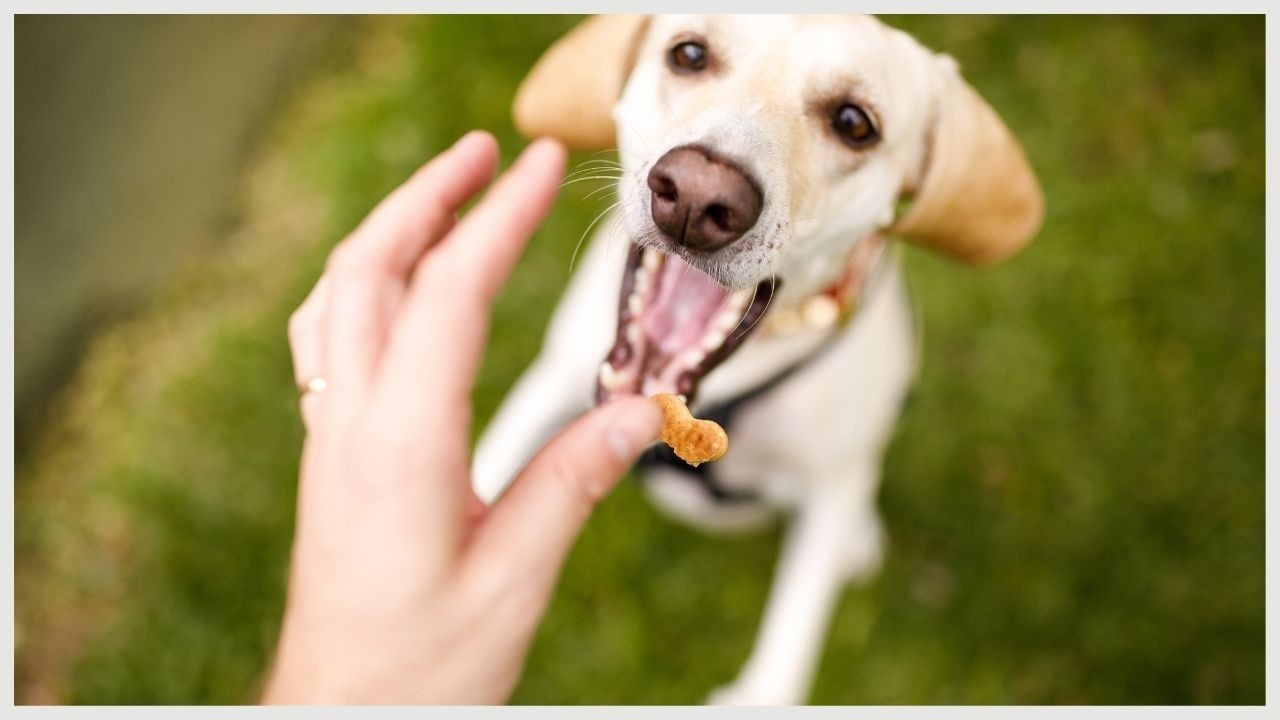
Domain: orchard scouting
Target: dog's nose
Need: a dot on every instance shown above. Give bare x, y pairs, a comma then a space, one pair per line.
702, 201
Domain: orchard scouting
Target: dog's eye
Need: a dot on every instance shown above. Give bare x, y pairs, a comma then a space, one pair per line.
687, 57
854, 127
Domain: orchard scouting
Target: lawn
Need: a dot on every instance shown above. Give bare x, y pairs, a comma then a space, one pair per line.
1074, 498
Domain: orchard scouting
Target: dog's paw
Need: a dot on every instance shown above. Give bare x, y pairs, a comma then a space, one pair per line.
748, 694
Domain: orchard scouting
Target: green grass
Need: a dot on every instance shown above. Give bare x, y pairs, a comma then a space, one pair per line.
1074, 498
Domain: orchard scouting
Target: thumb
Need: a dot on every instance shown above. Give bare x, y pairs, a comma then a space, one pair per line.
531, 528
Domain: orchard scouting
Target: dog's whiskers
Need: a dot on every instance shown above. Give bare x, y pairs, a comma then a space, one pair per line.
762, 312
599, 162
616, 150
596, 169
599, 190
613, 178
618, 231
574, 258
754, 292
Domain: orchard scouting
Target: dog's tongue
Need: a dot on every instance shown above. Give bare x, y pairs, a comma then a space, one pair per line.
675, 324
683, 308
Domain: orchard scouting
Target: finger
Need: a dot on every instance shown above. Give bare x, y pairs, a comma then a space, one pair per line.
528, 533
440, 333
370, 269
417, 214
307, 345
486, 243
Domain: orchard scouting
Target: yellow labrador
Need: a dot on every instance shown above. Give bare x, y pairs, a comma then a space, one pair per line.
766, 161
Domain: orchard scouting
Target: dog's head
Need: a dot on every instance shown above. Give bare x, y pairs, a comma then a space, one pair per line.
757, 148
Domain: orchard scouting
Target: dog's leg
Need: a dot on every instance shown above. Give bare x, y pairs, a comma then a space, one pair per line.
834, 536
542, 401
560, 383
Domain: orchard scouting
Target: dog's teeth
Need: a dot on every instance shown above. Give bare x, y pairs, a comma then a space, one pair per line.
633, 334
650, 260
726, 320
643, 281
721, 326
729, 321
635, 305
690, 358
612, 378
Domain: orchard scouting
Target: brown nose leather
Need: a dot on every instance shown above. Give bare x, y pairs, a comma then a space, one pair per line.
702, 201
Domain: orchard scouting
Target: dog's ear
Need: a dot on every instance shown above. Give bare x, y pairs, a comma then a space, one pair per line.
569, 95
977, 198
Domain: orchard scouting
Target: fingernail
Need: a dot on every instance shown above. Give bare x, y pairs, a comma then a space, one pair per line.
633, 427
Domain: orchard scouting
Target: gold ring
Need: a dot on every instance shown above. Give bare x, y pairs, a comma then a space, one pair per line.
315, 384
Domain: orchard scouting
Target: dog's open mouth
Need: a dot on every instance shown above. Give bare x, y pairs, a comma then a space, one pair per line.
675, 324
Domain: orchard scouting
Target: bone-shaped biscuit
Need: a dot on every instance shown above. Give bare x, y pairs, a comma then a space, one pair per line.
694, 441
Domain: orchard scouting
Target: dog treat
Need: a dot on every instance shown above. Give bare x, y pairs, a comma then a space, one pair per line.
694, 441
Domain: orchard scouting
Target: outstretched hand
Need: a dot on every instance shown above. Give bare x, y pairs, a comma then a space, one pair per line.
404, 587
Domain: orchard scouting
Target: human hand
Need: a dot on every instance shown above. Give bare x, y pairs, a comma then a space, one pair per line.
404, 587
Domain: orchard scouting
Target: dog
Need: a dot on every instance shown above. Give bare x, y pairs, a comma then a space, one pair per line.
767, 165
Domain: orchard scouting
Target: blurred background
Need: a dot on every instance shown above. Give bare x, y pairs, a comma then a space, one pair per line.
1074, 498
